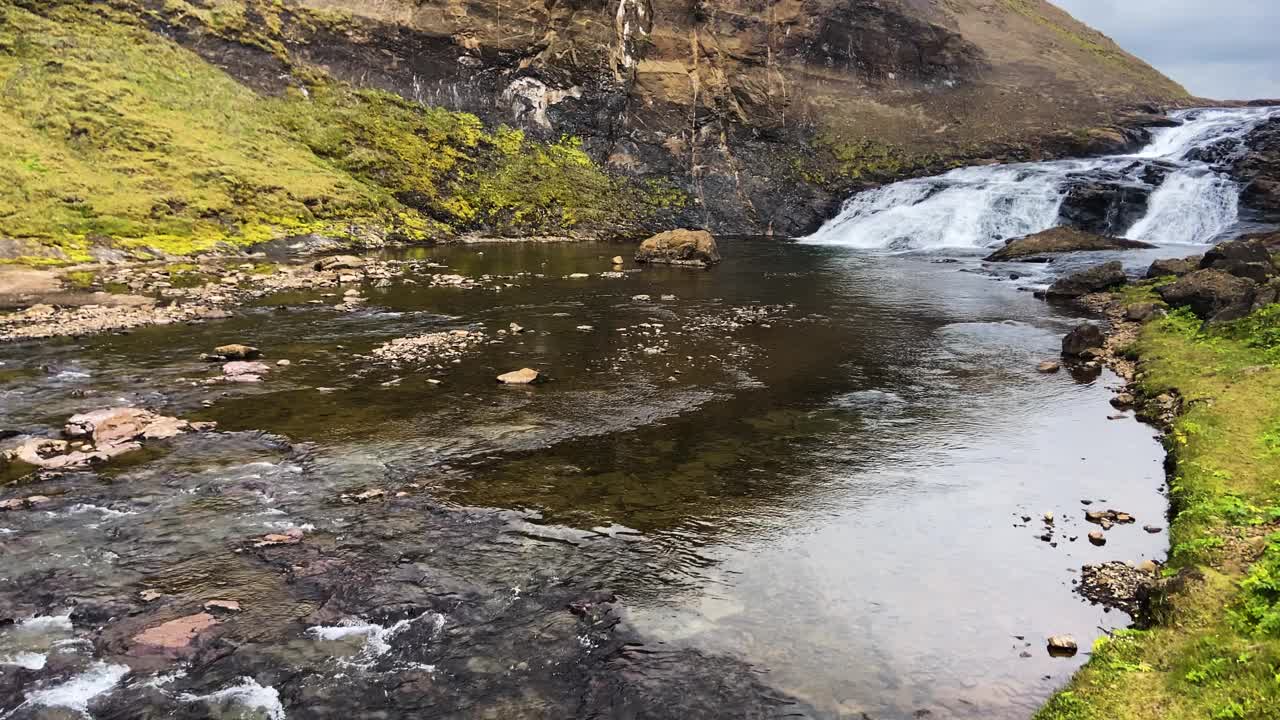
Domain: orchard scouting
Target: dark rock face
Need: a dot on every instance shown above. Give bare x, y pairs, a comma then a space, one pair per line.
1173, 266
1039, 246
680, 247
1111, 205
1083, 341
1090, 280
766, 115
1213, 295
1242, 258
1259, 170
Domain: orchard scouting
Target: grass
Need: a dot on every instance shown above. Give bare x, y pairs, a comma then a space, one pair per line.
1215, 653
112, 134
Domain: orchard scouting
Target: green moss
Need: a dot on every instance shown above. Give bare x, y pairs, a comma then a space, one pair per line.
113, 134
1216, 653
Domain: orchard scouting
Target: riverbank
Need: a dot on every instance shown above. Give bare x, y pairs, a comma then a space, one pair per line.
1212, 648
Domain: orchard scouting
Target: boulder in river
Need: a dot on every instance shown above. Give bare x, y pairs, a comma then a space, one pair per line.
1249, 259
1173, 266
339, 262
1038, 247
1062, 646
235, 351
1090, 280
1085, 340
680, 247
523, 376
1213, 295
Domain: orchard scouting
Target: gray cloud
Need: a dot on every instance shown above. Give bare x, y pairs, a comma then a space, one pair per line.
1225, 49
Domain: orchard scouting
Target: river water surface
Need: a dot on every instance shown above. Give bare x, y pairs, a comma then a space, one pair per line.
794, 485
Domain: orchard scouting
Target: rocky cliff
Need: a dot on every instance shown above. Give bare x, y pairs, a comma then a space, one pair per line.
749, 116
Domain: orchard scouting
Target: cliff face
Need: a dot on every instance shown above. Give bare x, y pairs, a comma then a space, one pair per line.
164, 123
767, 112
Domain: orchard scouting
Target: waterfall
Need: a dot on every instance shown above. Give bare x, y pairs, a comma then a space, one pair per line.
1178, 175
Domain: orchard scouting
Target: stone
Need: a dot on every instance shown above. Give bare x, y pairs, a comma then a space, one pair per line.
680, 247
1097, 537
1090, 280
1143, 311
523, 376
617, 260
1153, 529
1173, 266
1062, 646
1148, 566
283, 363
1048, 518
222, 606
176, 634
1039, 247
1085, 340
1123, 400
1213, 295
150, 595
1249, 259
1049, 366
237, 351
246, 372
339, 262
291, 536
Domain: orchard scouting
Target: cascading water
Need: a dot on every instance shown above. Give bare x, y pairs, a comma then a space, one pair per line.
1183, 197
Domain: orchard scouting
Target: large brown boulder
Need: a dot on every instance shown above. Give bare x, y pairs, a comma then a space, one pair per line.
1213, 295
1173, 266
680, 247
1038, 247
1243, 258
1090, 280
1085, 340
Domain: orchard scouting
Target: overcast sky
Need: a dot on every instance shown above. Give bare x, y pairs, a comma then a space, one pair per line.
1222, 49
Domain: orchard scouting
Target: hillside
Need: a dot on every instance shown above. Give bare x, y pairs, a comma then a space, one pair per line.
178, 124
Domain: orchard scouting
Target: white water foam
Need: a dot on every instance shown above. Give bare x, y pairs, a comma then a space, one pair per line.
28, 660
248, 694
377, 639
76, 693
978, 207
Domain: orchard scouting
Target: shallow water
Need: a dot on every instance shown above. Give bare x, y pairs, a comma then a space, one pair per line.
803, 477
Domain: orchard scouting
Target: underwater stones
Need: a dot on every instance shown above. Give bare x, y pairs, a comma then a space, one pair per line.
176, 634
1084, 341
1062, 646
523, 376
292, 536
695, 248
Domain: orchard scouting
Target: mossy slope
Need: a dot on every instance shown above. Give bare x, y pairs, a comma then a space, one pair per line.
112, 134
1216, 650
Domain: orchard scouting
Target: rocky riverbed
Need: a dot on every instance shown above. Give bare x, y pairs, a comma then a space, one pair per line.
728, 491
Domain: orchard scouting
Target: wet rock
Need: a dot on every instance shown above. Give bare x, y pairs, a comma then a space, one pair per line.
1049, 366
1090, 280
1084, 341
1173, 266
431, 347
150, 595
176, 634
244, 372
1039, 247
523, 376
617, 260
1048, 518
108, 432
1249, 259
1212, 295
680, 247
365, 496
1153, 529
1062, 646
1123, 400
339, 262
226, 606
1116, 585
291, 536
1097, 537
236, 351
283, 363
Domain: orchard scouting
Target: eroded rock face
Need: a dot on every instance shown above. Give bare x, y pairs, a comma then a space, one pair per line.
1213, 295
680, 247
1090, 280
1040, 246
766, 114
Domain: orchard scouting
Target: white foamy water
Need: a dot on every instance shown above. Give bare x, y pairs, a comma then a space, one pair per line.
978, 207
247, 695
377, 639
76, 693
28, 660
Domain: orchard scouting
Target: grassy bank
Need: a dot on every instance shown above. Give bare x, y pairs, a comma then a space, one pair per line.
110, 134
1214, 651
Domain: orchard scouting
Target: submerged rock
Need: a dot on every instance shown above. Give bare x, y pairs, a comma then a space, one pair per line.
1213, 295
680, 247
176, 634
1090, 280
1039, 246
1049, 366
523, 376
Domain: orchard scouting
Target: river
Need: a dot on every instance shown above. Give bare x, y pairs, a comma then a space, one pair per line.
797, 484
